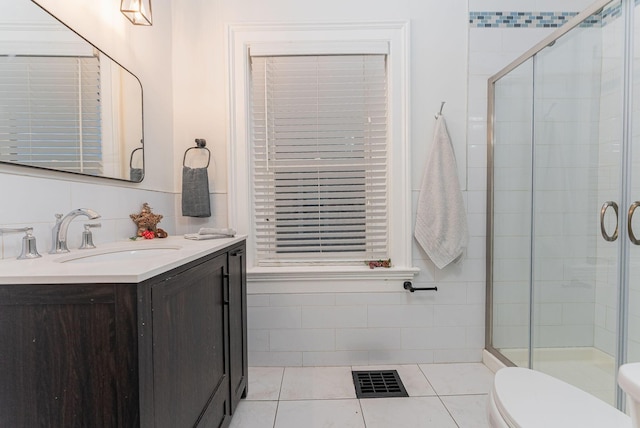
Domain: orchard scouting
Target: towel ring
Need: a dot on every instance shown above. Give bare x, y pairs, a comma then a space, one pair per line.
131, 157
201, 143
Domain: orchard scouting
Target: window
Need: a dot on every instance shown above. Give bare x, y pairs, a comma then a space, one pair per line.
50, 109
319, 158
324, 200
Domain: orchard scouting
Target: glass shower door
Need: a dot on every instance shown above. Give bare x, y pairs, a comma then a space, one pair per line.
576, 182
510, 300
632, 291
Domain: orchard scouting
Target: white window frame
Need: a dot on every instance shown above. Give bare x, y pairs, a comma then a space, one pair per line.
318, 39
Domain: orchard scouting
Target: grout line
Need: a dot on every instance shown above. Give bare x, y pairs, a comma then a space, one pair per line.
449, 412
438, 395
468, 394
364, 420
281, 383
275, 416
428, 381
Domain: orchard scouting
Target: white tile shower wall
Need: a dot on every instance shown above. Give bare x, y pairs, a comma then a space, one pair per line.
567, 92
512, 181
528, 5
33, 201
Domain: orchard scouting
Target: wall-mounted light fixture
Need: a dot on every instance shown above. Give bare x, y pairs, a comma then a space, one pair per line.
137, 11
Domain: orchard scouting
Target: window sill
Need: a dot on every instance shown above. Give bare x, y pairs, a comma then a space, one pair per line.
339, 279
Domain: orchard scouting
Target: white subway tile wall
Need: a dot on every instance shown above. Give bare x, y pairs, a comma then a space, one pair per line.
33, 201
334, 329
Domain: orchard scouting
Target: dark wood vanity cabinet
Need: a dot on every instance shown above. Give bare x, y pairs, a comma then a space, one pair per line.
168, 352
238, 363
190, 358
68, 356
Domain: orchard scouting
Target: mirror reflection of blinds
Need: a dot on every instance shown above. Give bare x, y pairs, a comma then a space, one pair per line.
319, 151
50, 113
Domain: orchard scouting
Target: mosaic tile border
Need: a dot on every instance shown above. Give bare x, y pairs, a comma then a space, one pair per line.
519, 19
539, 19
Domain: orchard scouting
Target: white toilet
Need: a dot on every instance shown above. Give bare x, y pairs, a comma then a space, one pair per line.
524, 398
629, 381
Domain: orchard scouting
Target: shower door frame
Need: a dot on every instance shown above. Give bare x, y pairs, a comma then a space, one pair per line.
627, 7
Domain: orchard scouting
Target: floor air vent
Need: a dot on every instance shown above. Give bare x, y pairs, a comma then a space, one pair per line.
378, 384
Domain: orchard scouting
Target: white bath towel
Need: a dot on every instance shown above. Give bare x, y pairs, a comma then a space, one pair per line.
214, 231
441, 224
211, 233
202, 237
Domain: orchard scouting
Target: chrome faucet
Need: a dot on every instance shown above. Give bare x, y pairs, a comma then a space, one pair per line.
59, 232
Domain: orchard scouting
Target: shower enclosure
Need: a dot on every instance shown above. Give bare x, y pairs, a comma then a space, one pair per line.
563, 234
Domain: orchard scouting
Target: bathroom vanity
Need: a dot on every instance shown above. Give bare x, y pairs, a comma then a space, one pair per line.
163, 344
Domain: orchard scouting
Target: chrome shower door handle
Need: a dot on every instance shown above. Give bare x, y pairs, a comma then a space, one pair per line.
603, 230
632, 210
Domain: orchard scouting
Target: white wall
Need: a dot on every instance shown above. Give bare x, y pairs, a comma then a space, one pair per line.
345, 328
359, 328
200, 100
31, 197
184, 79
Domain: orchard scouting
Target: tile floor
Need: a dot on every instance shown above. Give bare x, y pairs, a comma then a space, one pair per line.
440, 396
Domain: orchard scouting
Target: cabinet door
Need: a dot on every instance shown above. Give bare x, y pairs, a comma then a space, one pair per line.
191, 384
237, 324
67, 357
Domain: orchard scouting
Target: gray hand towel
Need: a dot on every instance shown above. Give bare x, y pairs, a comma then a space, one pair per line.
195, 192
136, 174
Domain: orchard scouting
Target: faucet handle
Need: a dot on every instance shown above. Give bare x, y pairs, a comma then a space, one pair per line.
87, 236
29, 250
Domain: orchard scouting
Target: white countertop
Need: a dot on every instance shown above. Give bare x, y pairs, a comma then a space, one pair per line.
135, 266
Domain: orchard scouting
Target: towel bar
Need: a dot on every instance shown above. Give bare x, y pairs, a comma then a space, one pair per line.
409, 286
201, 143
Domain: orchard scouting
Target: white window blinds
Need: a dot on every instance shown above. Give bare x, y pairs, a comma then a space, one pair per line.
50, 112
319, 154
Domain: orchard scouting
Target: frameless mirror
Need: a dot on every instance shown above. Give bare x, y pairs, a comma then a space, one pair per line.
64, 104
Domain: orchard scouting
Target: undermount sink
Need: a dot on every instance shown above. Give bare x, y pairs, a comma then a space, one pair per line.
118, 254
